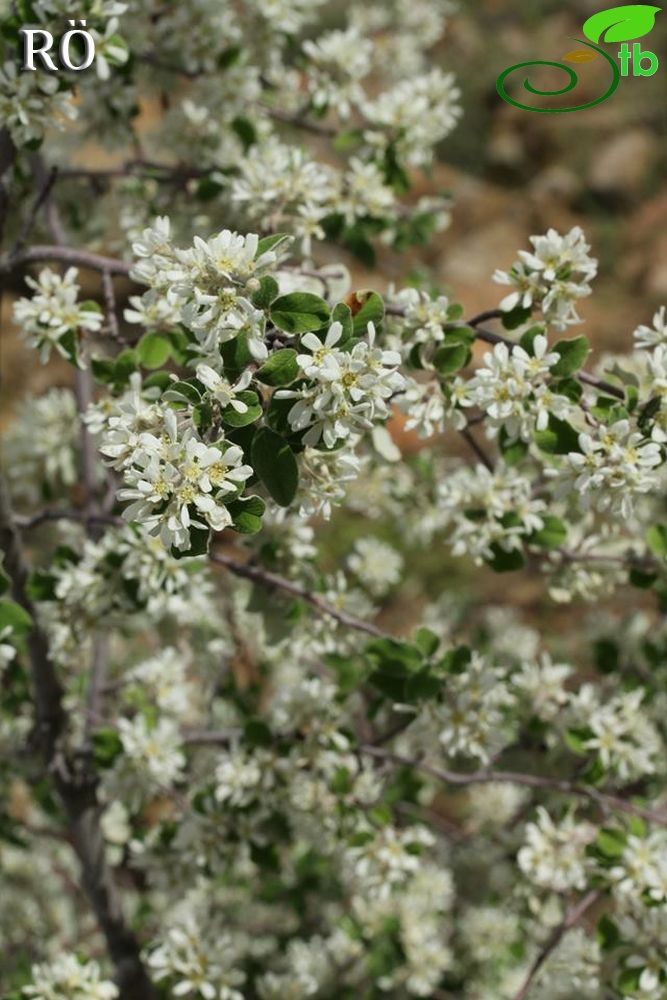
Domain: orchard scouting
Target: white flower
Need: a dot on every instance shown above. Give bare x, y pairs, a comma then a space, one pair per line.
195, 966
554, 855
648, 337
155, 751
7, 650
178, 484
615, 466
377, 564
67, 978
240, 777
221, 390
553, 276
472, 718
53, 311
543, 684
348, 390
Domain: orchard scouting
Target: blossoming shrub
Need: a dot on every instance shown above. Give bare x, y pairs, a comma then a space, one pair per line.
226, 773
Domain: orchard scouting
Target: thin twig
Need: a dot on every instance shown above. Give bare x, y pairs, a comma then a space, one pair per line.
97, 684
48, 180
468, 437
265, 578
67, 255
301, 122
110, 302
52, 514
602, 799
572, 918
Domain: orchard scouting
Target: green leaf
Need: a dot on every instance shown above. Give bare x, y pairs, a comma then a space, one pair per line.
232, 418
512, 450
247, 514
13, 615
106, 746
607, 933
245, 130
461, 335
207, 189
343, 314
300, 312
516, 317
275, 242
455, 661
560, 438
268, 292
183, 392
236, 355
5, 582
576, 740
656, 539
449, 359
552, 535
281, 368
505, 562
621, 24
274, 462
102, 369
257, 734
628, 981
153, 350
427, 641
371, 311
610, 843
116, 50
422, 686
528, 338
199, 539
573, 354
41, 586
607, 656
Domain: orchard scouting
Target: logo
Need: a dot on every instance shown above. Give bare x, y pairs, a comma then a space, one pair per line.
618, 24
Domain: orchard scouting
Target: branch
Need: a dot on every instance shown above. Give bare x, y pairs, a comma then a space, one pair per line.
495, 338
572, 918
468, 437
67, 255
47, 690
602, 799
300, 121
272, 581
110, 303
49, 515
489, 337
76, 786
47, 180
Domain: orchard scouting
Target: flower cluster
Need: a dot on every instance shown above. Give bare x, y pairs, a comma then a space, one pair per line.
347, 391
53, 317
67, 977
553, 277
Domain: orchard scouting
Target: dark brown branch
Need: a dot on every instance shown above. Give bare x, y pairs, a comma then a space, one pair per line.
74, 780
47, 690
469, 438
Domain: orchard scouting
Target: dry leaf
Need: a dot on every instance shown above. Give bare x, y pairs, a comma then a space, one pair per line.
580, 56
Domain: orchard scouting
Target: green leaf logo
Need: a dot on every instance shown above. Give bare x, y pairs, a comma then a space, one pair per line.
621, 24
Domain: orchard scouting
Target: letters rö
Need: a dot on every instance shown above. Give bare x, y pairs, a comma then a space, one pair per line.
38, 43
